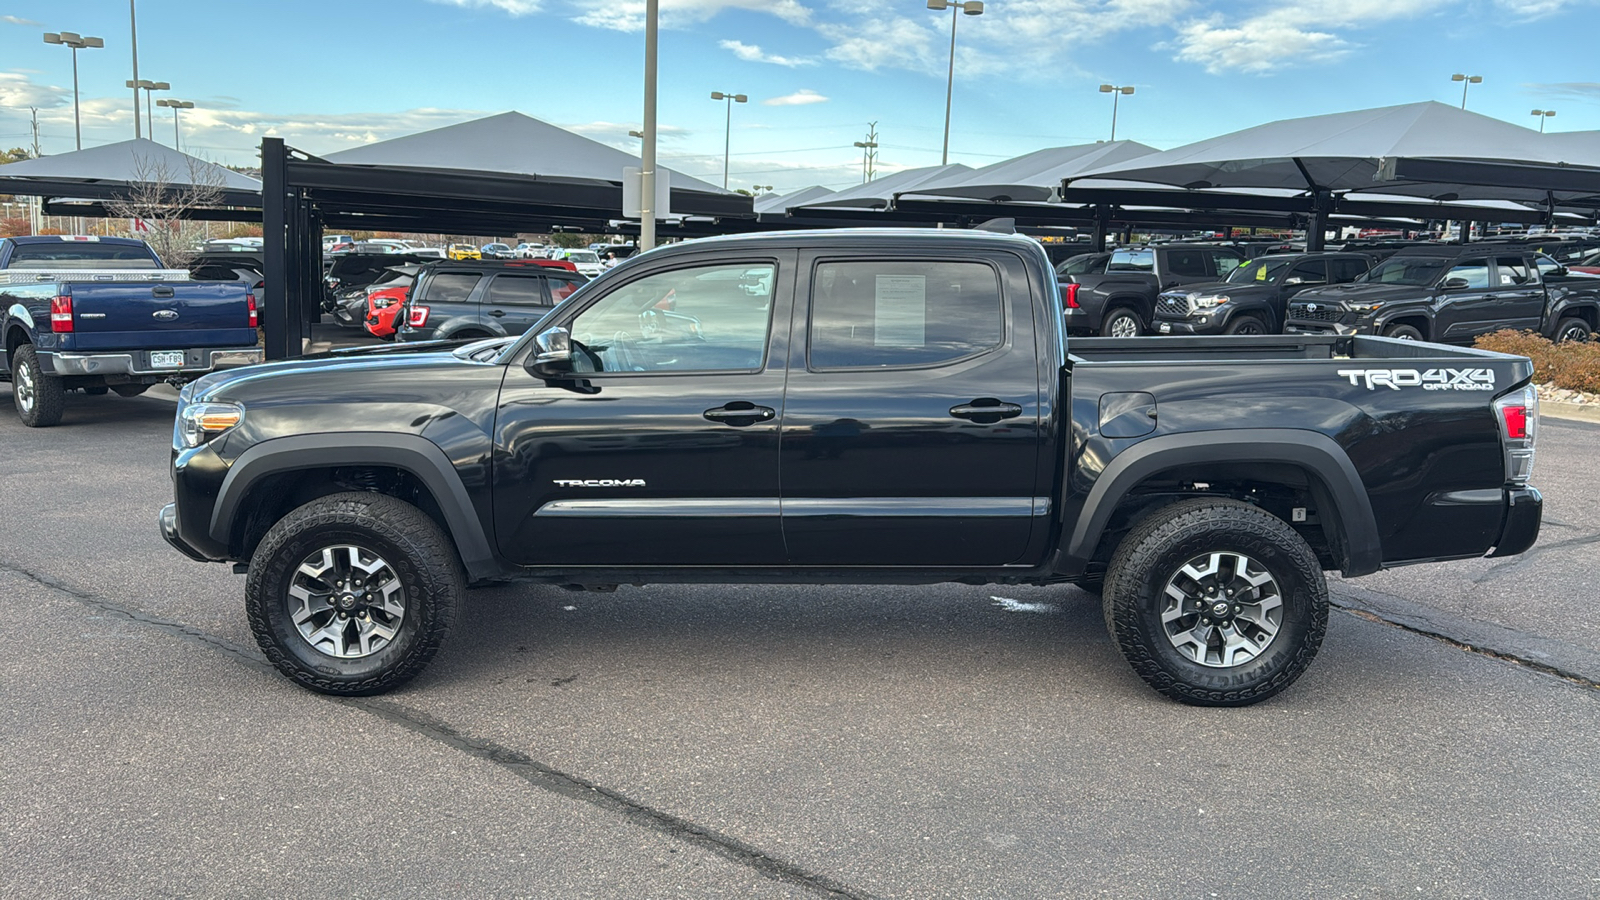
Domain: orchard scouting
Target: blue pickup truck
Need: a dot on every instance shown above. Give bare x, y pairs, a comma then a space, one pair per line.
100, 314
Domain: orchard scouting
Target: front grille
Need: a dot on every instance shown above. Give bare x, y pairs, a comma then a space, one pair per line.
1172, 305
1321, 314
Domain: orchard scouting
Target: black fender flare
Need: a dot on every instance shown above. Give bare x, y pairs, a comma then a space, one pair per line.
1334, 475
1566, 307
409, 452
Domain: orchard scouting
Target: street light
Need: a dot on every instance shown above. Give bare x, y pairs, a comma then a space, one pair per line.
727, 135
76, 42
175, 105
971, 8
148, 86
1543, 114
1116, 93
759, 189
1466, 81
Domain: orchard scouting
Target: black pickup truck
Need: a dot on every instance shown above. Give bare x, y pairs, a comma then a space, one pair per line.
1120, 300
890, 406
1252, 298
1453, 293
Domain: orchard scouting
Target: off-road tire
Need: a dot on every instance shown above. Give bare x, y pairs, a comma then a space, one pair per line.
1404, 333
1573, 329
1153, 552
1246, 325
47, 397
424, 561
130, 390
1109, 325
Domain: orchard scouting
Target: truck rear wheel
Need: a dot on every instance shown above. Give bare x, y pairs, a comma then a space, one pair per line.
40, 398
1572, 329
1121, 322
353, 593
1214, 602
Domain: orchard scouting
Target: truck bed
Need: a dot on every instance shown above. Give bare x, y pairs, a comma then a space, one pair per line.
1275, 347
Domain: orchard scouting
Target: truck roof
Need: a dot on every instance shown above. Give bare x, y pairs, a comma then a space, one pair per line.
833, 237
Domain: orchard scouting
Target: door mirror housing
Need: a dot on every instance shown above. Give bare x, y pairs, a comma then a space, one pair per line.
552, 352
1455, 284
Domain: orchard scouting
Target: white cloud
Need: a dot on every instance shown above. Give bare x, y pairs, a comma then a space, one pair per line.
17, 91
802, 97
1289, 33
18, 20
753, 53
511, 7
1538, 9
628, 15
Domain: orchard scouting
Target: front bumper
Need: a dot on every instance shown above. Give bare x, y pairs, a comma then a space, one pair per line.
1338, 328
137, 362
1524, 511
168, 520
1197, 325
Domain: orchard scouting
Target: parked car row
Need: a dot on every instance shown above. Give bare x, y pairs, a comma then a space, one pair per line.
1449, 293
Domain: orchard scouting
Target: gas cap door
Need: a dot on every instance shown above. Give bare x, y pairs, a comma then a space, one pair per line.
1127, 414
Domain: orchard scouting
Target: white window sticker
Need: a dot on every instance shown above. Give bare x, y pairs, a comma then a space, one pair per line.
900, 311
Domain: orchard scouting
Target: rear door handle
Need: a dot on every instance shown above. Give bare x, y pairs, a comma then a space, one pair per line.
497, 313
986, 410
740, 413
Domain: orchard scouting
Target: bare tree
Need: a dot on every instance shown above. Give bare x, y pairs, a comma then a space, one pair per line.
161, 201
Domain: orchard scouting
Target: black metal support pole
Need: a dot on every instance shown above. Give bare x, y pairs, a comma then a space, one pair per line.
1102, 218
275, 247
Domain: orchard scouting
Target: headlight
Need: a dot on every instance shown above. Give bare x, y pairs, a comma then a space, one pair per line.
1365, 307
1208, 301
200, 422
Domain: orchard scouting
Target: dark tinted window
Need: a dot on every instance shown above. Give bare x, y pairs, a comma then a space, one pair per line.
1223, 263
80, 254
451, 287
516, 290
1132, 261
1347, 269
903, 313
1085, 264
1189, 263
1475, 272
1310, 271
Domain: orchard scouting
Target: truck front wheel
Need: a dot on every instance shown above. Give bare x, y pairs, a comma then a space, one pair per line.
353, 593
40, 398
1214, 602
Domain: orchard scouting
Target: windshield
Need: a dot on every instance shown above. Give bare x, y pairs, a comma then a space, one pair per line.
1414, 270
1132, 261
1263, 270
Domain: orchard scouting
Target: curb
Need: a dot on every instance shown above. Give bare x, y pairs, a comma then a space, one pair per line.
1576, 412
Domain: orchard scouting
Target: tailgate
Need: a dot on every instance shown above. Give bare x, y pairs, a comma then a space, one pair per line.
159, 316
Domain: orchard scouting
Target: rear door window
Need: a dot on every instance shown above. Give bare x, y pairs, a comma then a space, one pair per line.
1513, 271
903, 313
1342, 271
1310, 271
1223, 263
562, 285
452, 287
1190, 263
517, 290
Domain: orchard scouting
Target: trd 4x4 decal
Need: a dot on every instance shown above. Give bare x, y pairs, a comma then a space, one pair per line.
1428, 380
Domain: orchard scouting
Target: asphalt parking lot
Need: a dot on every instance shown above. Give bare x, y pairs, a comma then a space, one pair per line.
773, 742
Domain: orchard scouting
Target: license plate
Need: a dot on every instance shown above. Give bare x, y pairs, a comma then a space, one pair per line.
166, 359
1166, 328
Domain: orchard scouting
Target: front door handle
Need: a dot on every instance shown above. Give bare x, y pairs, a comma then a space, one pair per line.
497, 313
986, 410
740, 413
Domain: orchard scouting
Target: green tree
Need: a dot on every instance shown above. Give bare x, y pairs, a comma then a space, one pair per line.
15, 154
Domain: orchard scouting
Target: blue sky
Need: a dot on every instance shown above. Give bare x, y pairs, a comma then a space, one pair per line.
329, 75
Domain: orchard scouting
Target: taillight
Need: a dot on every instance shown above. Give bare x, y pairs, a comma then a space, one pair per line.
1072, 295
418, 316
61, 315
1517, 414
255, 317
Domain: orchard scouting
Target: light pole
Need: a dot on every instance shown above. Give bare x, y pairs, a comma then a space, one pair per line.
133, 32
971, 8
175, 105
1116, 93
1466, 81
647, 149
1543, 114
76, 42
727, 134
148, 86
759, 189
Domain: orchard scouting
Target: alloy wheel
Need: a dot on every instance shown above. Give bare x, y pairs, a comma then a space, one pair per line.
24, 388
346, 601
1221, 609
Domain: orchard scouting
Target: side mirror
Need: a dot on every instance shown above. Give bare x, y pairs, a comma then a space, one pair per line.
553, 352
1559, 272
1454, 284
